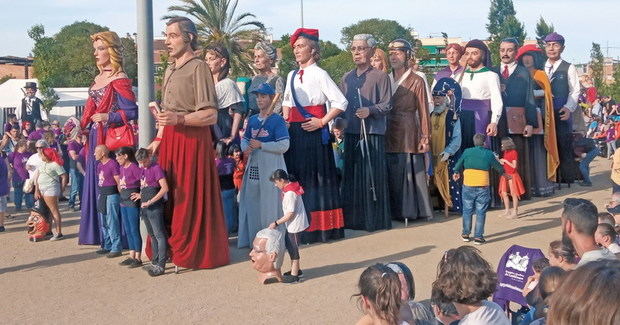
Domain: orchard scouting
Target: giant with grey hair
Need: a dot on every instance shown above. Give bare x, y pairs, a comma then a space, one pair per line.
370, 40
275, 244
187, 27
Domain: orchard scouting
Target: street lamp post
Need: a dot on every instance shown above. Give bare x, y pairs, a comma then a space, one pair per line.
145, 70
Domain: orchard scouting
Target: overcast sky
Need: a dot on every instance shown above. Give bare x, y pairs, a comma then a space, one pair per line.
580, 21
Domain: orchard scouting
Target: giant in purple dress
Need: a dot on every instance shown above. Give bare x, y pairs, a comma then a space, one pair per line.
115, 99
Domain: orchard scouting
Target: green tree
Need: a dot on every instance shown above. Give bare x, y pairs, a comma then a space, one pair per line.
130, 57
596, 64
218, 23
337, 65
287, 61
613, 89
159, 73
66, 59
383, 30
49, 98
542, 30
4, 79
503, 23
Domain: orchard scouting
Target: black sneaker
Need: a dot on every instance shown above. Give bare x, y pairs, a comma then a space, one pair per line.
300, 274
290, 279
465, 238
156, 271
102, 251
113, 254
479, 241
2, 229
126, 262
135, 263
586, 184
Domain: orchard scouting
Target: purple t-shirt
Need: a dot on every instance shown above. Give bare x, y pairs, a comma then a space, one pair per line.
106, 173
151, 176
75, 146
18, 160
36, 135
130, 176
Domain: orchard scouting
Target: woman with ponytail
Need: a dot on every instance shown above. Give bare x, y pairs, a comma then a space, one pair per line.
379, 296
48, 184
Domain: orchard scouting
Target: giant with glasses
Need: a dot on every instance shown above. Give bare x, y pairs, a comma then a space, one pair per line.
368, 92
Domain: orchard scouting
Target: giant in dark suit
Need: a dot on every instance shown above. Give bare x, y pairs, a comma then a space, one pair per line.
518, 91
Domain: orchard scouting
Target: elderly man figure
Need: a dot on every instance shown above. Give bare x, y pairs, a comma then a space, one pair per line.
198, 236
365, 173
267, 255
579, 223
565, 88
407, 138
446, 141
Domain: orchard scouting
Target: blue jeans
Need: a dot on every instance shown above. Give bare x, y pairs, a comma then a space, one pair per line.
475, 199
77, 180
111, 224
229, 202
584, 164
19, 195
131, 223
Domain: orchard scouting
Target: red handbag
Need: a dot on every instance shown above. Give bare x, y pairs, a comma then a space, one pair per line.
121, 136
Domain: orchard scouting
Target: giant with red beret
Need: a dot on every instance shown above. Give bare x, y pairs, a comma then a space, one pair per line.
309, 33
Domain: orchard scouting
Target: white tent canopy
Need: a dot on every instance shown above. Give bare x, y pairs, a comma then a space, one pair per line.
11, 94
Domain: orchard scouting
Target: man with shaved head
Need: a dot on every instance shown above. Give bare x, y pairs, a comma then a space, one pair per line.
108, 202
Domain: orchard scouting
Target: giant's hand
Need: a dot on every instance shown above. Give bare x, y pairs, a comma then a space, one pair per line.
492, 129
564, 113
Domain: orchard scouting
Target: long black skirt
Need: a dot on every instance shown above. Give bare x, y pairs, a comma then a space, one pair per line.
408, 188
312, 162
363, 209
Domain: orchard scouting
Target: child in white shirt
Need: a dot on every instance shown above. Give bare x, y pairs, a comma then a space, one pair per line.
294, 218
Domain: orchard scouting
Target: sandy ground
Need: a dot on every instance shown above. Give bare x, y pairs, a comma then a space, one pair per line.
61, 282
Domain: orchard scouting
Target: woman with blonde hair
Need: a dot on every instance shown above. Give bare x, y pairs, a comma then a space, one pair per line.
379, 60
111, 103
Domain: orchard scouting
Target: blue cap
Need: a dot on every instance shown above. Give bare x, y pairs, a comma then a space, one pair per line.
265, 89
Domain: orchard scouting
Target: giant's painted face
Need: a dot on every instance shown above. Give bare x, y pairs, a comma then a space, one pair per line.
37, 226
261, 260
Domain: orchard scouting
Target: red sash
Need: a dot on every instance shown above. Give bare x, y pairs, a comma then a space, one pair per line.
317, 111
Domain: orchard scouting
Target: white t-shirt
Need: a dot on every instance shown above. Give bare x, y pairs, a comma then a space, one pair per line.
596, 255
33, 163
614, 248
489, 313
227, 93
292, 203
317, 88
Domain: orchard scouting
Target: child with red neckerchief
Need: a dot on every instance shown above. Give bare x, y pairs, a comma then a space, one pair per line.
294, 218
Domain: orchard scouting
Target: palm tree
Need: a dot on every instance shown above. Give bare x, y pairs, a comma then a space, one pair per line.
217, 23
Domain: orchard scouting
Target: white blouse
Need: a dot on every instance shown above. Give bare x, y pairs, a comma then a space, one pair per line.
484, 85
317, 88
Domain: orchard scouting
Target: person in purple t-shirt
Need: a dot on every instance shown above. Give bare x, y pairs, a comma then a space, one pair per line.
130, 215
153, 187
37, 134
17, 161
4, 189
108, 176
77, 177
